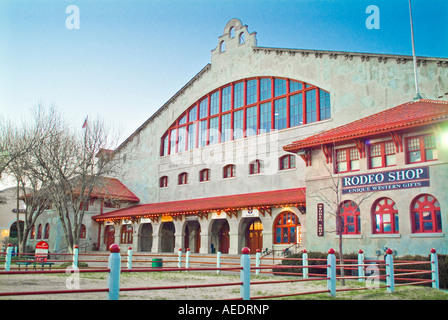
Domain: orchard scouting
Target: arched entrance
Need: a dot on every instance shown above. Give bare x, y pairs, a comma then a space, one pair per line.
254, 235
220, 236
146, 237
167, 236
193, 236
109, 236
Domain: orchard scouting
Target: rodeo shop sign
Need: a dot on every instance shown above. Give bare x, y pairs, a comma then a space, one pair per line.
387, 180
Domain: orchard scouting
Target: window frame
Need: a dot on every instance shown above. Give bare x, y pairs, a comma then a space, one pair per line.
348, 159
385, 207
422, 148
284, 222
204, 175
256, 167
229, 171
383, 154
435, 214
182, 178
163, 182
126, 234
352, 210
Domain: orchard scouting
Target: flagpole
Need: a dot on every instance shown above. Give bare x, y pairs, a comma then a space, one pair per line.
418, 96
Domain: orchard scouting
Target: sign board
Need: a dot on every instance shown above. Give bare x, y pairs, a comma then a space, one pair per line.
299, 234
248, 213
320, 219
41, 250
387, 180
167, 219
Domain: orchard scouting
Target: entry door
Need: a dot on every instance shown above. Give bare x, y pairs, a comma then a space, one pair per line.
254, 236
224, 239
109, 236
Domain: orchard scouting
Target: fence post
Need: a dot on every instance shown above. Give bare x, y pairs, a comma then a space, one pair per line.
434, 269
8, 257
179, 258
305, 264
130, 258
331, 272
361, 273
187, 259
218, 262
390, 280
113, 279
257, 261
75, 256
245, 274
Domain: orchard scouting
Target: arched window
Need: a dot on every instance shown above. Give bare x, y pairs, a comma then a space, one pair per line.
183, 178
350, 218
286, 227
163, 182
222, 46
229, 171
33, 232
385, 216
39, 232
204, 175
126, 234
425, 214
241, 39
245, 108
287, 162
255, 167
83, 232
232, 32
47, 231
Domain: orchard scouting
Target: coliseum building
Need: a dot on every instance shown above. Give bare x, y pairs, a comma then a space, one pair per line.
263, 145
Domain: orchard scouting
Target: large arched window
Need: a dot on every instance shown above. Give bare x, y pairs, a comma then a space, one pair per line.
350, 218
47, 231
285, 228
39, 232
385, 216
425, 214
245, 108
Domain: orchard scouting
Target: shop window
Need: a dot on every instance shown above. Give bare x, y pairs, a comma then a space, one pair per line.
126, 234
426, 214
385, 216
256, 167
204, 175
350, 218
163, 182
347, 160
286, 227
229, 171
421, 149
183, 178
287, 162
382, 155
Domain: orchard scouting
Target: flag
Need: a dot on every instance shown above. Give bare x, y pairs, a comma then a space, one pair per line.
85, 122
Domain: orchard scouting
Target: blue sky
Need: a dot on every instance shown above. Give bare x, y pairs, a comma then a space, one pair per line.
129, 57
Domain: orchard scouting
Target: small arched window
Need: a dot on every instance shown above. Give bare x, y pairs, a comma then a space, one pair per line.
426, 214
229, 171
385, 216
83, 232
232, 32
47, 231
350, 217
163, 182
287, 162
255, 167
204, 175
241, 38
222, 46
183, 178
39, 232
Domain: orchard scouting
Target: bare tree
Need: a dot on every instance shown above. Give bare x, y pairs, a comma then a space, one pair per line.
332, 197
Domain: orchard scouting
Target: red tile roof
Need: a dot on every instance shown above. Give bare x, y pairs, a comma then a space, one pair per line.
111, 188
259, 199
407, 115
